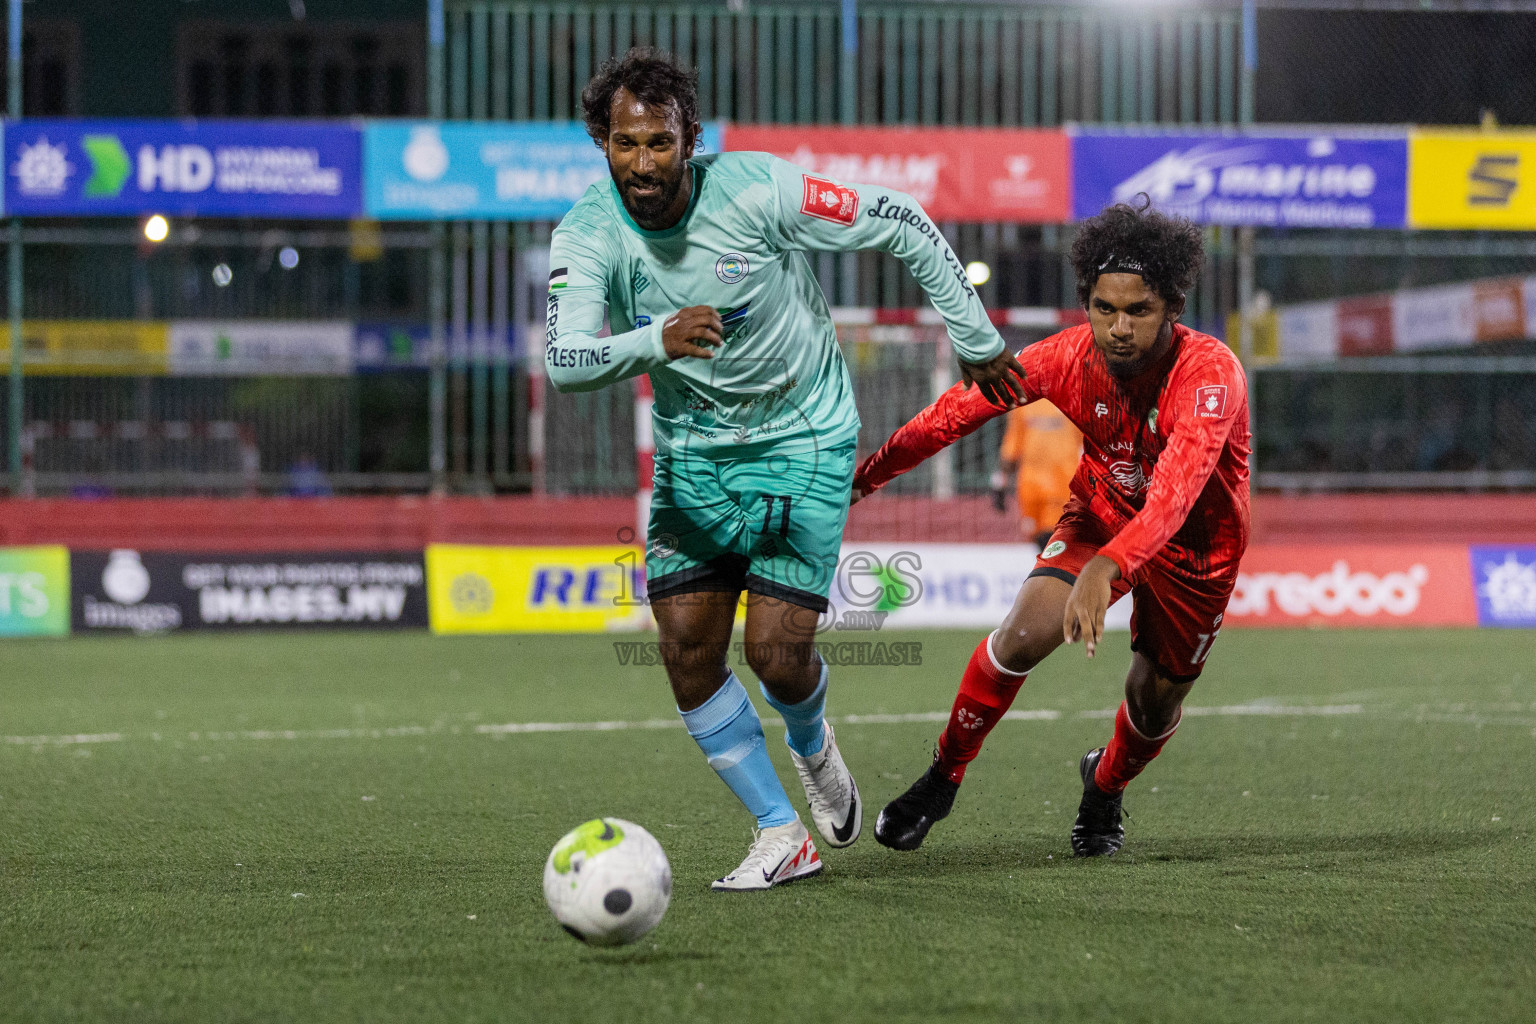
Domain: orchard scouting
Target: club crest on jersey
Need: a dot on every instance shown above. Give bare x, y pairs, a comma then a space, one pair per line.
1211, 401
1053, 549
1129, 476
829, 201
732, 267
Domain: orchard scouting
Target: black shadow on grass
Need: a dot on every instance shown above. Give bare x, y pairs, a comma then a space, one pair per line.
956, 858
629, 957
1360, 846
1030, 852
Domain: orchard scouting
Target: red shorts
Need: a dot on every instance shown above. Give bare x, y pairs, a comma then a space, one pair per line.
1175, 616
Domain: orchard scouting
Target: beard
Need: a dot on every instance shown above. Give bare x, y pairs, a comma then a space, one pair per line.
1129, 369
649, 209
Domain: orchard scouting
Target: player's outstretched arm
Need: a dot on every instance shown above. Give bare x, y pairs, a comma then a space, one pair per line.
818, 214
1000, 379
958, 412
576, 357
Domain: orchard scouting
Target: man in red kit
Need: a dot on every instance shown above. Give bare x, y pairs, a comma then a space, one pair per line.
1159, 510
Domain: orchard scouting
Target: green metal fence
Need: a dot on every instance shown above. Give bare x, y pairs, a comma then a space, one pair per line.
1454, 422
912, 63
950, 64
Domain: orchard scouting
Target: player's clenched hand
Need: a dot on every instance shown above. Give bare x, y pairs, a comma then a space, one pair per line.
695, 331
1084, 616
1001, 379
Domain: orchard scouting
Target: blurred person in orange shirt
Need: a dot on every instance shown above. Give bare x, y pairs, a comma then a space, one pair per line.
1042, 447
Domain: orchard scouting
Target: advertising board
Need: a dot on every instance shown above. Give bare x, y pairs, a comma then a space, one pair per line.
430, 170
956, 174
90, 347
480, 589
66, 167
239, 348
1472, 179
403, 345
1504, 579
1353, 585
1292, 180
901, 586
34, 591
151, 591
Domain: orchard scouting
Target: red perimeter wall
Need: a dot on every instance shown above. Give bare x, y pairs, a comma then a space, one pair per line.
383, 523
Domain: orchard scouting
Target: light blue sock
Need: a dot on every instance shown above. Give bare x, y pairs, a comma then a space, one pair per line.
803, 729
727, 729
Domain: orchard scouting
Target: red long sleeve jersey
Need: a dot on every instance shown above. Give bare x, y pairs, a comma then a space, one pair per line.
1165, 456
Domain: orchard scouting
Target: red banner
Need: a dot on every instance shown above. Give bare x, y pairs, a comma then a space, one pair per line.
1354, 585
1499, 308
957, 174
1365, 326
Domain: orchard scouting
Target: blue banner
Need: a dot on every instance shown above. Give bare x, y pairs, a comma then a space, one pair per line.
1299, 181
1504, 580
483, 171
408, 346
68, 168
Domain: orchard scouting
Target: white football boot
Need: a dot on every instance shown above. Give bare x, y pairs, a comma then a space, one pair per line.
779, 854
831, 791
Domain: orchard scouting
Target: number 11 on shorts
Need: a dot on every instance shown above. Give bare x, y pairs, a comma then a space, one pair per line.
1203, 649
783, 500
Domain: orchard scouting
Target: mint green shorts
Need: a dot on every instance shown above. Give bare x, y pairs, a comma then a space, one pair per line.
771, 525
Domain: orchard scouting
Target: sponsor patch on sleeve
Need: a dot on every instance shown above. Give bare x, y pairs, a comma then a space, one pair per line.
557, 278
1211, 401
829, 201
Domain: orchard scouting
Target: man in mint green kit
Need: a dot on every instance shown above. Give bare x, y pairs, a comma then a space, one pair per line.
700, 265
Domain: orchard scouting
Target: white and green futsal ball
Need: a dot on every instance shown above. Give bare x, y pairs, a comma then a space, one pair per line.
607, 882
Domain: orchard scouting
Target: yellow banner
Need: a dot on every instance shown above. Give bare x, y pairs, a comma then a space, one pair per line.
91, 347
1472, 179
1266, 335
473, 589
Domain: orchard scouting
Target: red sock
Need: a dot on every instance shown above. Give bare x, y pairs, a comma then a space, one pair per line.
1128, 752
986, 692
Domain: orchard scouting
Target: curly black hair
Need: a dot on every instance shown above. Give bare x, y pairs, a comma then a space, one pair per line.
655, 77
1170, 248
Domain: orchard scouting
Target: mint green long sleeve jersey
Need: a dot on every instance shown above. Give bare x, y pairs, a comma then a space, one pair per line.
778, 384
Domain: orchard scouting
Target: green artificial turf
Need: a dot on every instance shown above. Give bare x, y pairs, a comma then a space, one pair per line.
306, 828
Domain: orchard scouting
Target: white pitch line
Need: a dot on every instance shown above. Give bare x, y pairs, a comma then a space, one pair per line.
933, 716
314, 734
510, 728
519, 728
58, 741
1041, 715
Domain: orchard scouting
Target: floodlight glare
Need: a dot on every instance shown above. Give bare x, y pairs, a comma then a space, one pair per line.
977, 272
157, 228
288, 257
222, 275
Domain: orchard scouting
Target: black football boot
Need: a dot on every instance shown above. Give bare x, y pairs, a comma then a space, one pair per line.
906, 820
1097, 831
